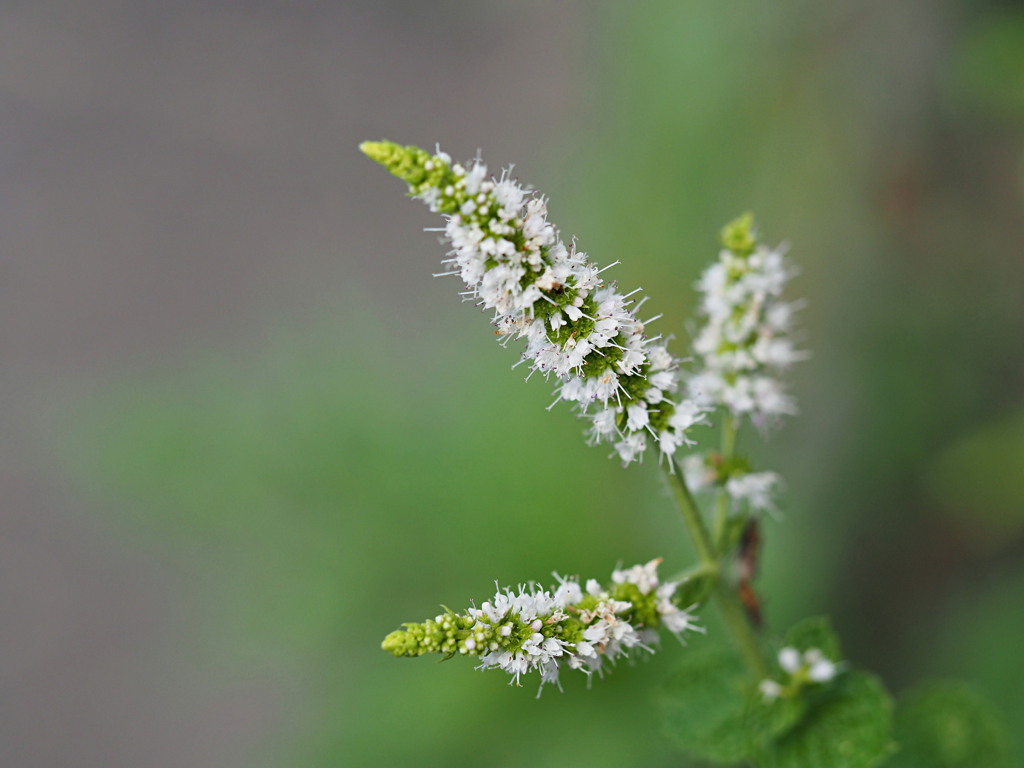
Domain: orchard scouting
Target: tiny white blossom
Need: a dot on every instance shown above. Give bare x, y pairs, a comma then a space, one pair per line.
754, 488
637, 417
802, 669
697, 473
644, 577
770, 689
821, 670
789, 660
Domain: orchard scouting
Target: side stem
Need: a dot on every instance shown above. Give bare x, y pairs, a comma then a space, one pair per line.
732, 612
722, 502
691, 515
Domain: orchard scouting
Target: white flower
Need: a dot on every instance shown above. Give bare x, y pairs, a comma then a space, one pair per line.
802, 669
644, 577
678, 621
754, 488
631, 447
675, 619
604, 421
821, 670
696, 472
789, 660
770, 689
637, 417
568, 592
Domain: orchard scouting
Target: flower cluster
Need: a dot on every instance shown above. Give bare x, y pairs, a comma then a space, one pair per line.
802, 669
745, 344
755, 490
569, 625
540, 289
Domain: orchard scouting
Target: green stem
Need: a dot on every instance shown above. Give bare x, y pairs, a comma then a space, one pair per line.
728, 451
728, 435
691, 515
732, 612
741, 631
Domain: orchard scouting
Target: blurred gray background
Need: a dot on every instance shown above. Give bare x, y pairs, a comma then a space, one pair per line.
247, 434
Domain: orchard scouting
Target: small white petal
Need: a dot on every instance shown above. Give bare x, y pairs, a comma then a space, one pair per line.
770, 689
789, 660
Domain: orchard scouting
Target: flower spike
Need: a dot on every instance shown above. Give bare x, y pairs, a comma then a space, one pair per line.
576, 327
745, 344
544, 630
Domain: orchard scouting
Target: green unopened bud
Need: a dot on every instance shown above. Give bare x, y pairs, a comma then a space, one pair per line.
740, 236
427, 175
400, 643
644, 606
406, 163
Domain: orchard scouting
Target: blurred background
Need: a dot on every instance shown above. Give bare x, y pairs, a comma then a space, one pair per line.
247, 434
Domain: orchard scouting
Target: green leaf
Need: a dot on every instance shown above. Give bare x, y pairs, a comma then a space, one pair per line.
848, 725
732, 533
946, 724
817, 633
711, 708
696, 588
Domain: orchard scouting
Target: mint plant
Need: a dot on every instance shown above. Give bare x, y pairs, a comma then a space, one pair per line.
789, 702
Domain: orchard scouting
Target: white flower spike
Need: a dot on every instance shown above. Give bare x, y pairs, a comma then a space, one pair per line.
745, 344
576, 327
543, 630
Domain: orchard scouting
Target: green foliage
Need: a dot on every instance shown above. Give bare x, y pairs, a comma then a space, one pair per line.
696, 588
848, 725
732, 533
974, 479
284, 495
945, 724
815, 632
711, 708
989, 67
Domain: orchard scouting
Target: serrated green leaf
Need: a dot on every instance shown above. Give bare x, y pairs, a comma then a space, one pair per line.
847, 725
815, 632
711, 708
949, 725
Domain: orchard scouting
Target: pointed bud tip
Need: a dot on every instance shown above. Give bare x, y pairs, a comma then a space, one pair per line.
740, 235
378, 151
394, 643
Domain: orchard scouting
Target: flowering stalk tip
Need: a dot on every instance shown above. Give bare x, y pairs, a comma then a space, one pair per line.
738, 235
576, 327
569, 625
746, 342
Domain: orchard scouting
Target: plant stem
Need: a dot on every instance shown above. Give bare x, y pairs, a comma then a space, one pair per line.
691, 515
732, 613
742, 632
728, 451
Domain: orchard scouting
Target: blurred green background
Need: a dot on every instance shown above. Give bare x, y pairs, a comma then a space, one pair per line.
249, 435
